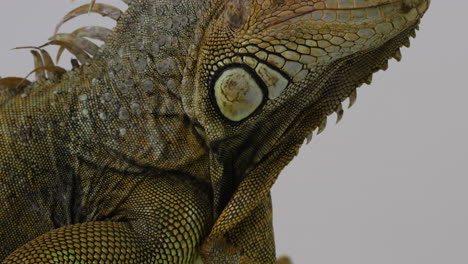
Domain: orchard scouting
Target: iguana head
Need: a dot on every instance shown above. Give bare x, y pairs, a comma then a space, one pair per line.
270, 72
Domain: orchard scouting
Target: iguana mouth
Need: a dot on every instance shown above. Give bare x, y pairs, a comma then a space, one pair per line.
377, 11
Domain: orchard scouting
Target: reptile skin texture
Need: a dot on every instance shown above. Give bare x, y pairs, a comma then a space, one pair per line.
162, 145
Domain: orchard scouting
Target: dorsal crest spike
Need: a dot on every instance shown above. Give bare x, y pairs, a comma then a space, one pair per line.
38, 64
84, 44
102, 9
91, 5
14, 83
75, 50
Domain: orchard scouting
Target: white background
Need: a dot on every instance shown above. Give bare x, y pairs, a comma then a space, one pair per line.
388, 185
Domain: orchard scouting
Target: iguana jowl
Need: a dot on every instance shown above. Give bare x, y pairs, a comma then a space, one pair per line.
163, 147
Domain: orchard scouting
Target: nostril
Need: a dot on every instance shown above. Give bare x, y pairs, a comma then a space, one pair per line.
413, 3
405, 8
410, 4
421, 5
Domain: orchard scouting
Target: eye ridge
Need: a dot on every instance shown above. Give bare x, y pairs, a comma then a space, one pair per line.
273, 67
261, 84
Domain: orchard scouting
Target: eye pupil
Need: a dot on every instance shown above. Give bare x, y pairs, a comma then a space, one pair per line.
237, 94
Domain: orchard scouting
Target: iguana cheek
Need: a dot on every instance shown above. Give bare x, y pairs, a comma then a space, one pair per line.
237, 94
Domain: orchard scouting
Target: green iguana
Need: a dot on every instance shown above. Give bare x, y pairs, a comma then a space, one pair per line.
162, 145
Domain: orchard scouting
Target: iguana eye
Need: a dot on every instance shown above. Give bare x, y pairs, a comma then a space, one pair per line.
237, 94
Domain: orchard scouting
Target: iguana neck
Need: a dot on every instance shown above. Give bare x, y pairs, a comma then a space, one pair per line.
128, 104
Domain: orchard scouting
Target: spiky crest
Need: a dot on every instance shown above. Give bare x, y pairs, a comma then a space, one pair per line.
76, 42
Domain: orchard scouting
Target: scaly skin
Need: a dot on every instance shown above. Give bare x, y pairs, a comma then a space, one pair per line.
164, 147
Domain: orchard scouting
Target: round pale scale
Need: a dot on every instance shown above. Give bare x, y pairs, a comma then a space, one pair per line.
275, 82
